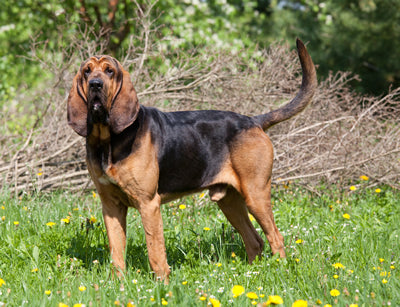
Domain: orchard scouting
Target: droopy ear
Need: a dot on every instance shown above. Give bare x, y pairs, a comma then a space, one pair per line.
125, 106
77, 107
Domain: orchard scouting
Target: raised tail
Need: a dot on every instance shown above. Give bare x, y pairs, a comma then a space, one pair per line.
303, 97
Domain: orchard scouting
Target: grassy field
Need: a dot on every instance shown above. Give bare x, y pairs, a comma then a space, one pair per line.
343, 248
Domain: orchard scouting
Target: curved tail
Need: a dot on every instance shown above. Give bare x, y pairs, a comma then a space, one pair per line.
303, 97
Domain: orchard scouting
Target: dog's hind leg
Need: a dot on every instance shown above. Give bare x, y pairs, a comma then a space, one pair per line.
258, 202
252, 160
234, 208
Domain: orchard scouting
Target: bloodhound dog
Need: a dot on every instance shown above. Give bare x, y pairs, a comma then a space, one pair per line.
141, 157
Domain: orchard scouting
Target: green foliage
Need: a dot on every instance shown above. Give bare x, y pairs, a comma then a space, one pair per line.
358, 36
344, 240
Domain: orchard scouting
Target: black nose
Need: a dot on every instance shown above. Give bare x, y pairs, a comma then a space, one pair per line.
96, 84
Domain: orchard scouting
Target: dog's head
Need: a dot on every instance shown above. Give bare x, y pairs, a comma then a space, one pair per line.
102, 93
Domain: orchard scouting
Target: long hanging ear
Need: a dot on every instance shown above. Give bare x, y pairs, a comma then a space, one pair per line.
77, 107
125, 105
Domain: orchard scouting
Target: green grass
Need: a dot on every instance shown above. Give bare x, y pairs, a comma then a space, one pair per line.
35, 257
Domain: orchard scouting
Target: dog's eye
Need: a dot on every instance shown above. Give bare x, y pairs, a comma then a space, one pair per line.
109, 71
87, 71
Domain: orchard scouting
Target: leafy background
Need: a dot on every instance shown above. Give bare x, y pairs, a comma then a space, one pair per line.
359, 36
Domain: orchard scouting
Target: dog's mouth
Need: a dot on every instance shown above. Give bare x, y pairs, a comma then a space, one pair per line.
96, 103
97, 110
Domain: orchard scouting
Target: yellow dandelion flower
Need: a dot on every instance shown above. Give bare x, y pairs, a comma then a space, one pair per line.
353, 188
94, 194
336, 276
79, 305
62, 305
219, 264
381, 260
319, 302
184, 282
378, 190
297, 260
117, 303
47, 292
334, 292
206, 228
252, 295
16, 223
363, 177
3, 218
300, 303
353, 305
214, 302
164, 302
384, 281
327, 305
130, 304
338, 265
275, 299
50, 224
346, 216
2, 282
34, 270
233, 255
82, 288
3, 208
182, 207
202, 298
202, 195
299, 241
93, 219
350, 271
392, 267
66, 220
251, 217
237, 290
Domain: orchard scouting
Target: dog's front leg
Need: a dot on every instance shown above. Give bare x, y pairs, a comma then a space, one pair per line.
114, 215
153, 226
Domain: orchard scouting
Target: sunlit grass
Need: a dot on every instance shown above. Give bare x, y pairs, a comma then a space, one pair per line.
343, 248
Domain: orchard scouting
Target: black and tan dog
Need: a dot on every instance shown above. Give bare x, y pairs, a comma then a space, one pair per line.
141, 157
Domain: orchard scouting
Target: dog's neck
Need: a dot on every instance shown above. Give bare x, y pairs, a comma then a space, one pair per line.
105, 146
98, 145
98, 134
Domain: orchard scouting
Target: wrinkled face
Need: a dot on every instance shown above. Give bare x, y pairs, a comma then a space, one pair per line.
101, 76
102, 93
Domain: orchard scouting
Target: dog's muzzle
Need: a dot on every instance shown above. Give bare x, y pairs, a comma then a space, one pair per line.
97, 110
